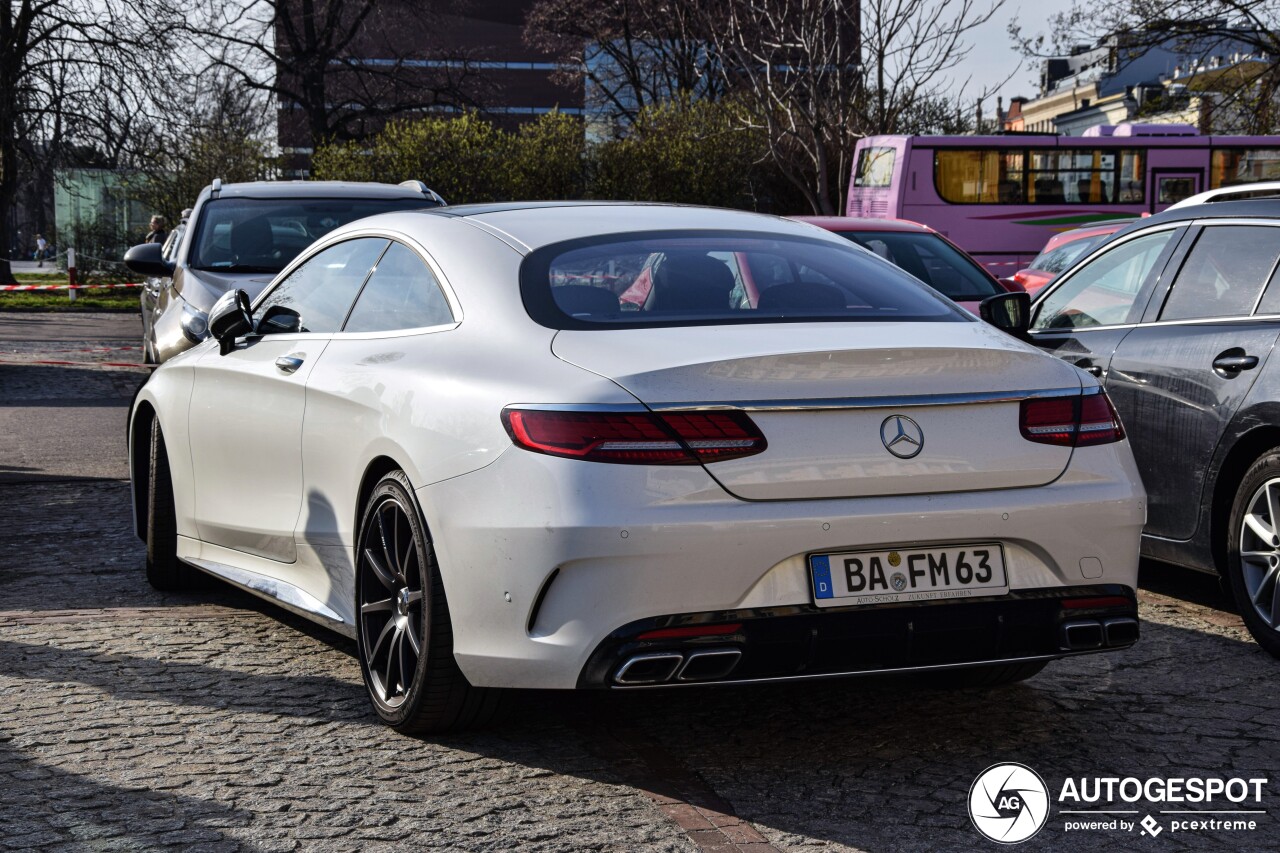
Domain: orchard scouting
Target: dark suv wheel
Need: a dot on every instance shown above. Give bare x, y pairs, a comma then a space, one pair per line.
404, 634
1253, 552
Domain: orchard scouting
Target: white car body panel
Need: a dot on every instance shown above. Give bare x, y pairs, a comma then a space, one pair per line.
781, 380
688, 547
274, 507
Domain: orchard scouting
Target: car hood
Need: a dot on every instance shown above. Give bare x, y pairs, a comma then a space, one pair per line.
201, 288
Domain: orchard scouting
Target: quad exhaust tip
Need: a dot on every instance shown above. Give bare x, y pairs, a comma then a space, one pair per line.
1086, 634
664, 667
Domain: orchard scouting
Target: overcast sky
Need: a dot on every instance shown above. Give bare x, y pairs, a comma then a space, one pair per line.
993, 57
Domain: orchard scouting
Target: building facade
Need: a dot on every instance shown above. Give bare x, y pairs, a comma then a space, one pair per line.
461, 55
1181, 80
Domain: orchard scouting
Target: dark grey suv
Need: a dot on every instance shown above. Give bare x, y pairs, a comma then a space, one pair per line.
1179, 315
238, 236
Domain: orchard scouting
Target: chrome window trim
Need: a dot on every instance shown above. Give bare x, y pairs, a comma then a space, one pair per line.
1239, 318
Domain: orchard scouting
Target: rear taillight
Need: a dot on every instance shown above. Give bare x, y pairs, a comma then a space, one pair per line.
1071, 421
635, 438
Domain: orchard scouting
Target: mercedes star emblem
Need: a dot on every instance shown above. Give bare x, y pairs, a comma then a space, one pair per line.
902, 436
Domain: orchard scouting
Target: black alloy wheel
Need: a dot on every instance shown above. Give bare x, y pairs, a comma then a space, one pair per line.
404, 634
393, 627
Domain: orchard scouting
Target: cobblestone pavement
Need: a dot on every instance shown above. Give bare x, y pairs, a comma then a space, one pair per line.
132, 719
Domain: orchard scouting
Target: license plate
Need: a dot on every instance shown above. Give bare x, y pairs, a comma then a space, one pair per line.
907, 574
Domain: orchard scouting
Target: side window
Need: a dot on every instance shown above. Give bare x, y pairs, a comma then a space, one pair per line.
322, 289
169, 250
402, 293
1102, 292
1224, 273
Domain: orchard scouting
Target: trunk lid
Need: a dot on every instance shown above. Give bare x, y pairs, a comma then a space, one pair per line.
848, 410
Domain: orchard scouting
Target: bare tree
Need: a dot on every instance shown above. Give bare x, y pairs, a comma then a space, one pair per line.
632, 54
910, 48
820, 74
345, 66
795, 64
212, 127
54, 58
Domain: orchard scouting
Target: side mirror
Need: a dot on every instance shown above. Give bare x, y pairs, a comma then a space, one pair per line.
1008, 312
146, 259
279, 319
229, 318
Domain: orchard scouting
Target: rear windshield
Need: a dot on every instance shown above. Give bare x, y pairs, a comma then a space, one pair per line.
672, 279
932, 260
264, 235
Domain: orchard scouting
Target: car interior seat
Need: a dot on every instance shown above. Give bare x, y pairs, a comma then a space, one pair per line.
252, 241
584, 300
801, 296
690, 282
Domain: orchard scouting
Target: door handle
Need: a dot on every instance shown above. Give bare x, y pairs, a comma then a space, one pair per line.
1089, 367
290, 363
1235, 363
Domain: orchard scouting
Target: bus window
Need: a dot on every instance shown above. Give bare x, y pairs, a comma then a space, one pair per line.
875, 168
1229, 166
979, 177
1058, 176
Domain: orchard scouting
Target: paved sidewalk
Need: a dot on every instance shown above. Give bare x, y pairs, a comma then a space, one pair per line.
210, 720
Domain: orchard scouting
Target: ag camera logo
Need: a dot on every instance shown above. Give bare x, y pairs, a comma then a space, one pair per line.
1008, 803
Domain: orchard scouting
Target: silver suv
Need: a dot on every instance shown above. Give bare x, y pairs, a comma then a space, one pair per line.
238, 236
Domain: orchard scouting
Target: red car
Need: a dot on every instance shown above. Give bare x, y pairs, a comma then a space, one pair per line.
1062, 251
921, 251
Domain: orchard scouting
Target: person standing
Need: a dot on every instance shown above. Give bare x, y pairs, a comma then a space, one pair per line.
42, 248
157, 233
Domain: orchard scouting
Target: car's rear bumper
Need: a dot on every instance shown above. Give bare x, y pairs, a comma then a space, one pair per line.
789, 643
544, 559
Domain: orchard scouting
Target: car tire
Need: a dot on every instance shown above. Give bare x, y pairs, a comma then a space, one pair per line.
164, 570
983, 676
1253, 551
400, 604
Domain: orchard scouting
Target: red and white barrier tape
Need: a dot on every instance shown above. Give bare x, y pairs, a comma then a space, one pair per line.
88, 365
66, 286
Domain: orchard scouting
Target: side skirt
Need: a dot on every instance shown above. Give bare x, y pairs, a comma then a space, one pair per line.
279, 592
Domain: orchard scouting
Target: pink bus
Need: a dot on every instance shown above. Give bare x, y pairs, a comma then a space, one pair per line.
1000, 198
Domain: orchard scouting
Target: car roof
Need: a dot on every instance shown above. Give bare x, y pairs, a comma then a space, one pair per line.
317, 189
857, 223
1263, 208
1234, 192
529, 225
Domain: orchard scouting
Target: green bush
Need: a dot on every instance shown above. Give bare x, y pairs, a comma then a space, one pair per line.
683, 151
466, 159
689, 152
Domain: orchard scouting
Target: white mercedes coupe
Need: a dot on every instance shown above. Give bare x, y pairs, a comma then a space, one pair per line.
621, 446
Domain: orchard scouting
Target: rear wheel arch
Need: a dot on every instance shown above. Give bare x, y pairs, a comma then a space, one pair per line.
139, 463
1243, 453
377, 468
